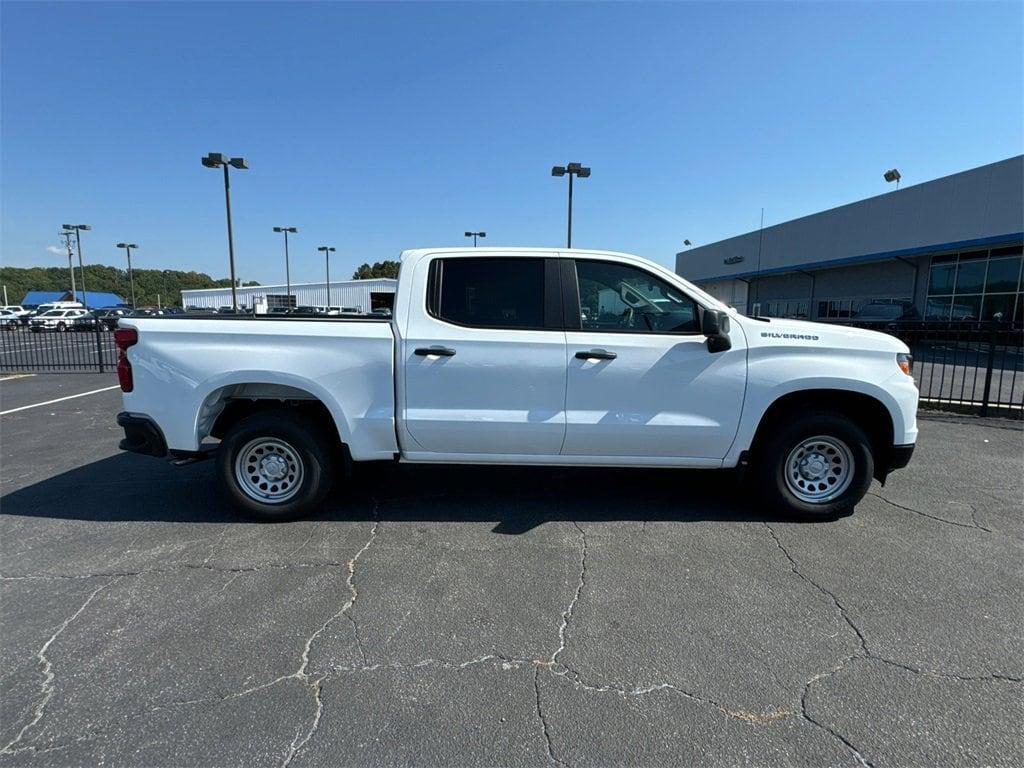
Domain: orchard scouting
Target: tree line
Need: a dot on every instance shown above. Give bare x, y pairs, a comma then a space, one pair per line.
378, 269
149, 283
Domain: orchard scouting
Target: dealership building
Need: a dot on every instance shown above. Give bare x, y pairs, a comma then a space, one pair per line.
946, 249
360, 295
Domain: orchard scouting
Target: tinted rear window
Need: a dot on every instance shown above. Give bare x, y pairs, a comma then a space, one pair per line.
491, 292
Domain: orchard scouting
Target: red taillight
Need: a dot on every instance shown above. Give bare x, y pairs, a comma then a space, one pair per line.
124, 338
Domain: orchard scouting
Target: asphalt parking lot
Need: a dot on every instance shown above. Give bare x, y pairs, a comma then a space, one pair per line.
466, 616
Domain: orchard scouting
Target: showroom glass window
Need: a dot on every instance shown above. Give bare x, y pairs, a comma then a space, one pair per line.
977, 285
616, 298
489, 292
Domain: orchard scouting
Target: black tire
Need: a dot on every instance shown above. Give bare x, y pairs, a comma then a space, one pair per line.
773, 453
304, 441
61, 327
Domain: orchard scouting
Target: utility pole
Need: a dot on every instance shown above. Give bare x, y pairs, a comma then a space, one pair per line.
71, 265
77, 229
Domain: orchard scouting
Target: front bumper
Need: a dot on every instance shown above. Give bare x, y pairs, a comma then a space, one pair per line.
141, 435
899, 456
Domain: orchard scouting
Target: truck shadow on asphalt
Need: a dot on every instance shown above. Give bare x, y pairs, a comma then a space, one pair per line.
128, 488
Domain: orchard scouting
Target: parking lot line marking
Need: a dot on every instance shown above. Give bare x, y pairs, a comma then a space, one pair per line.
16, 376
59, 400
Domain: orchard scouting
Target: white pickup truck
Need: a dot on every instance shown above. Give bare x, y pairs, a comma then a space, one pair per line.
522, 356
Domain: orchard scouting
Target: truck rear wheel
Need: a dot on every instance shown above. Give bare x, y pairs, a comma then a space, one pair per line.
817, 466
276, 465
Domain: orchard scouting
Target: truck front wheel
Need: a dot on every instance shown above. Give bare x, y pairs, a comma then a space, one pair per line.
817, 465
276, 465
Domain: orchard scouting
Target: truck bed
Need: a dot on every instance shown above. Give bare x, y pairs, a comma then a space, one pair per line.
196, 364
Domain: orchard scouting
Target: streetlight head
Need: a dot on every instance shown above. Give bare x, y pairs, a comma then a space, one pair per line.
482, 234
686, 242
573, 166
214, 160
240, 163
68, 227
122, 245
85, 227
293, 230
892, 175
132, 245
279, 229
583, 173
558, 170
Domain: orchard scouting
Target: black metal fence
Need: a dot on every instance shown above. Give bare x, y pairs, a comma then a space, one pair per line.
972, 367
57, 351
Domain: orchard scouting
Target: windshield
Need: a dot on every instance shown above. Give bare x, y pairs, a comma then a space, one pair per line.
54, 313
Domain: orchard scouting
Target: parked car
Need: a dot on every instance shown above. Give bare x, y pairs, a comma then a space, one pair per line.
55, 320
109, 316
9, 319
488, 361
147, 312
86, 322
17, 310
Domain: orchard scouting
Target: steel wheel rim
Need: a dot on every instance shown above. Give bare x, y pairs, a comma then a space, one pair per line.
819, 469
269, 470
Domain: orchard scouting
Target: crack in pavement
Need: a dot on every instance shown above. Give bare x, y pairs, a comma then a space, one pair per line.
299, 743
861, 640
562, 630
865, 652
545, 729
568, 612
753, 718
934, 517
255, 568
46, 688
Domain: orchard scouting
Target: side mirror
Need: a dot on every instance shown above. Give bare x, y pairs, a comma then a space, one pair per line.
715, 325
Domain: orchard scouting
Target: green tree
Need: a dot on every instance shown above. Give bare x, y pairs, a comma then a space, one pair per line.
379, 269
167, 283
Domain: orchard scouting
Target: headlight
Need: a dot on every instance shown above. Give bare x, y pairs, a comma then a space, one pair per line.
905, 363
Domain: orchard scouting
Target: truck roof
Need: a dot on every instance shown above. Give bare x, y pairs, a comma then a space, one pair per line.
489, 250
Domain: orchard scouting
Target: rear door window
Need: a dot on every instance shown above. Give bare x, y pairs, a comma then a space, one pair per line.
490, 292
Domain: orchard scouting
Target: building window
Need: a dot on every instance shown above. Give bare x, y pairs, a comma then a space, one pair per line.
791, 308
977, 285
280, 301
850, 307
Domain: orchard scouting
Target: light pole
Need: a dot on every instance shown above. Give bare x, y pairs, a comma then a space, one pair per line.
328, 250
216, 160
77, 229
287, 269
131, 276
475, 235
572, 169
892, 175
71, 266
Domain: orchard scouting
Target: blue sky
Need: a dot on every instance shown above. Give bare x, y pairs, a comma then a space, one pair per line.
378, 127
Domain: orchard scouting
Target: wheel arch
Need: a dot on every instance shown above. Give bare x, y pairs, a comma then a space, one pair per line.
227, 403
868, 412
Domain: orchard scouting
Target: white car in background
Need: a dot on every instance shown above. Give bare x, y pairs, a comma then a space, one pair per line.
9, 319
55, 320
